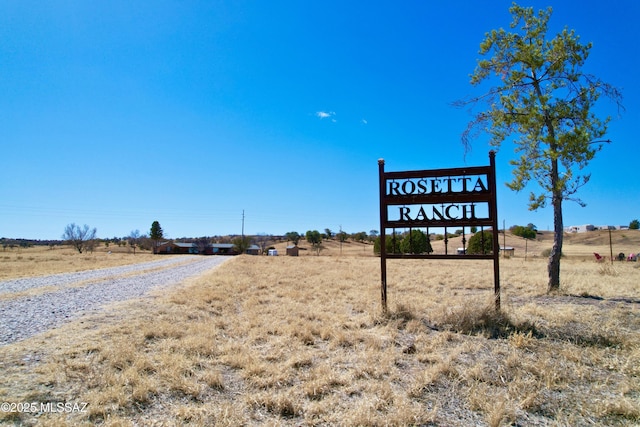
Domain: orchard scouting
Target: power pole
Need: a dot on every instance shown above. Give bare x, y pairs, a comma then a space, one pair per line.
504, 238
610, 245
243, 225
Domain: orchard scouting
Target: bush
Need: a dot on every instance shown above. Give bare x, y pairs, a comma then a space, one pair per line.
524, 232
415, 243
481, 243
391, 246
547, 253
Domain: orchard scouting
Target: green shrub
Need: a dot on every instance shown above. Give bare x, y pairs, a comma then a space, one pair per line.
524, 232
415, 242
480, 243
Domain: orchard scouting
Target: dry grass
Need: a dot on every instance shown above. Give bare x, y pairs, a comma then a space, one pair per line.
302, 341
42, 260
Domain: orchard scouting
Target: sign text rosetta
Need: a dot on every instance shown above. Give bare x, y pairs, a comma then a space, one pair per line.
427, 209
447, 185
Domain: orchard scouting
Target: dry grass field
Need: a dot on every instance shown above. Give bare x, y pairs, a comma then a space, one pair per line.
42, 260
302, 341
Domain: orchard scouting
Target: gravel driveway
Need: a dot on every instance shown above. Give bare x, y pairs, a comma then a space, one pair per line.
34, 305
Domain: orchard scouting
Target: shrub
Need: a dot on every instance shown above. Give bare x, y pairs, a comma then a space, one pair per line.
524, 232
547, 253
415, 242
392, 247
480, 243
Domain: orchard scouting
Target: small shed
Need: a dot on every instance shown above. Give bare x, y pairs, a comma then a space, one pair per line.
273, 252
293, 250
507, 251
221, 249
253, 250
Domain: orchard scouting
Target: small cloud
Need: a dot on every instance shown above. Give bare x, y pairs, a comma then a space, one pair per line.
325, 114
364, 121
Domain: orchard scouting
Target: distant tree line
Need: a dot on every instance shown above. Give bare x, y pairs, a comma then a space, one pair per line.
8, 243
84, 238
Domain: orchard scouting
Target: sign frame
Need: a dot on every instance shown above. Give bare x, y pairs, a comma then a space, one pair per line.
408, 193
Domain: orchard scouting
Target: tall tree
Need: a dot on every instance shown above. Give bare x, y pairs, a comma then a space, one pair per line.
315, 239
134, 239
542, 98
156, 234
241, 244
80, 238
294, 236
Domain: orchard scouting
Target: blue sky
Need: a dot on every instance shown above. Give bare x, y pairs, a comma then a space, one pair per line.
116, 113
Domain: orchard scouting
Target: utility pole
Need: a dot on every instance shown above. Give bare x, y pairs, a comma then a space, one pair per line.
610, 245
340, 239
504, 238
243, 225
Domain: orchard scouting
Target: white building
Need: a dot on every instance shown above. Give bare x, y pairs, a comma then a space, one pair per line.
590, 227
579, 228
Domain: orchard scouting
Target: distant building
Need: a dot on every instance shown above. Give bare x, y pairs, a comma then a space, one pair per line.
590, 227
507, 251
177, 248
221, 249
579, 228
253, 250
292, 250
169, 248
612, 227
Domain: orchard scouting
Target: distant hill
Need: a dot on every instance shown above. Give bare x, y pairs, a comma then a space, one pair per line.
578, 244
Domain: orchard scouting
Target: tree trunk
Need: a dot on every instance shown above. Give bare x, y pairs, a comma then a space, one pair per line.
558, 231
556, 195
